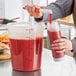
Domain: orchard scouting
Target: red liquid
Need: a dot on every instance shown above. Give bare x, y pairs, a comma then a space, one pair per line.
26, 54
54, 36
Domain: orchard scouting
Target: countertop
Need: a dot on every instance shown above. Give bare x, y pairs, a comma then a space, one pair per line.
67, 67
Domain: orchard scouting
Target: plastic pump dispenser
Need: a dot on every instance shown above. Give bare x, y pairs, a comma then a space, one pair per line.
54, 33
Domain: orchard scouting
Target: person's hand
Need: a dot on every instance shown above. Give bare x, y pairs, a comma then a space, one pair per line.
35, 10
62, 45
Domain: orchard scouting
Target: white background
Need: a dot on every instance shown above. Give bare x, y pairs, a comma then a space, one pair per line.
13, 8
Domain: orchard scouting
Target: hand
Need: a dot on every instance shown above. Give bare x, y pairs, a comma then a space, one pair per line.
62, 45
34, 10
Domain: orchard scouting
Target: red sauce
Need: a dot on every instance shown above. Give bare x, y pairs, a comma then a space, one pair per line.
54, 36
26, 54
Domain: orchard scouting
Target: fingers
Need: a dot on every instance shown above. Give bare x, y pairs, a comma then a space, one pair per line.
59, 45
58, 48
28, 8
35, 10
59, 40
60, 51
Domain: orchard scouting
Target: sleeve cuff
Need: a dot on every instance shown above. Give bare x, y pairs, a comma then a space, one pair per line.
45, 17
38, 19
46, 14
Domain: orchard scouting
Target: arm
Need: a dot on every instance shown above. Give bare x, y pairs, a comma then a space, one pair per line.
60, 8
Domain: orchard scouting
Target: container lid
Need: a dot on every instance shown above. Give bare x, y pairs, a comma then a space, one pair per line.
54, 26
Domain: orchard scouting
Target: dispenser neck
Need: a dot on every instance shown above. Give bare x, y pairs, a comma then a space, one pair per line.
50, 18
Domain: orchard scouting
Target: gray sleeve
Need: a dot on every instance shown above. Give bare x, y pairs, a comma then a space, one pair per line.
60, 8
74, 45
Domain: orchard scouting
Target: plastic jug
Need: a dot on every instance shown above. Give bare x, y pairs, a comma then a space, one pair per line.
54, 33
26, 41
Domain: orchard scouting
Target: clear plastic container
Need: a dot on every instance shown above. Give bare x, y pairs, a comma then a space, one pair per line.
26, 45
54, 33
